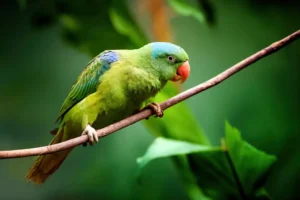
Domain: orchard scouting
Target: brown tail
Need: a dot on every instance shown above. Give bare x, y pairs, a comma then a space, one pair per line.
46, 165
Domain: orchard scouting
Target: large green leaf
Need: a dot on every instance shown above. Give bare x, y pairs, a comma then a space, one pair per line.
250, 163
235, 170
163, 147
178, 122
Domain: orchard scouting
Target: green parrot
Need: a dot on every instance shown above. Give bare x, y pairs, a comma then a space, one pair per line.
114, 85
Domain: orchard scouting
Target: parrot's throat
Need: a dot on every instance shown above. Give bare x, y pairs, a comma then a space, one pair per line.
144, 86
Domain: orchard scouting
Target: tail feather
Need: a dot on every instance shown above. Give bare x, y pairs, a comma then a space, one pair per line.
46, 165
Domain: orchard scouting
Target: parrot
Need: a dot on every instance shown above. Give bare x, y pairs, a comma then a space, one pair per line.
114, 85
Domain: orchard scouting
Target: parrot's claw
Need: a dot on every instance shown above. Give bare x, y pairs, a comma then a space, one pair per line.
91, 133
156, 109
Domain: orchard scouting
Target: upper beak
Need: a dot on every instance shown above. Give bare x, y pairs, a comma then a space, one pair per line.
182, 73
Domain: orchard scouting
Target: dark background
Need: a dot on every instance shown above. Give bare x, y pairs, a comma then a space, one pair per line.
38, 68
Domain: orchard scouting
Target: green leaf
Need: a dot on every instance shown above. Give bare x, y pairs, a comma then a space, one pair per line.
174, 125
163, 147
261, 194
202, 11
250, 163
125, 25
234, 171
68, 22
208, 11
184, 8
87, 26
237, 172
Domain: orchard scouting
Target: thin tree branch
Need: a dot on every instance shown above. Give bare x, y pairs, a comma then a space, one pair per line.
146, 113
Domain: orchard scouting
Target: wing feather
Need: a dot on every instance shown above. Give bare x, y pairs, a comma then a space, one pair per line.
88, 81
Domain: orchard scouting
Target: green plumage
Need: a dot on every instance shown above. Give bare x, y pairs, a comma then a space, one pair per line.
85, 85
113, 86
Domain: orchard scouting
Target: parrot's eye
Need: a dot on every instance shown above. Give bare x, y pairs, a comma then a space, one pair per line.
171, 59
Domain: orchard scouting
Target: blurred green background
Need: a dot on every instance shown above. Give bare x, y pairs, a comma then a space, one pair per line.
38, 68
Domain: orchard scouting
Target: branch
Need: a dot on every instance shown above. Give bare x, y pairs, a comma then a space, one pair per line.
146, 113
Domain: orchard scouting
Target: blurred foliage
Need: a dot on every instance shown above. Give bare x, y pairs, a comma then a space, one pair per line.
206, 14
39, 70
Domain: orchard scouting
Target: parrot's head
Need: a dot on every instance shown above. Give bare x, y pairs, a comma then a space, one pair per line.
169, 61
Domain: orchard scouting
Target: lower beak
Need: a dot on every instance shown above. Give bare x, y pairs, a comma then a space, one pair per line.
182, 72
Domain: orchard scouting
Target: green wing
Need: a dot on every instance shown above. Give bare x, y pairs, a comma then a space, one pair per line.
88, 81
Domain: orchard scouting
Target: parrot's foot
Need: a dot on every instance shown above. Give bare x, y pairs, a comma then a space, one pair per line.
156, 109
91, 133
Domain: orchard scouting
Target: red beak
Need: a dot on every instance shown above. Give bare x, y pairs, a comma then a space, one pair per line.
182, 73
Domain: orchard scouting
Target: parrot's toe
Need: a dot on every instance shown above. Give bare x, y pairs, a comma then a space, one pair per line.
91, 133
156, 109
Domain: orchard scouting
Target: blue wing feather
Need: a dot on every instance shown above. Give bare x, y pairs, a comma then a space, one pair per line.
88, 81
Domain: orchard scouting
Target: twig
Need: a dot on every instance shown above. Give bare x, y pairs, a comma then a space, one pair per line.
146, 113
